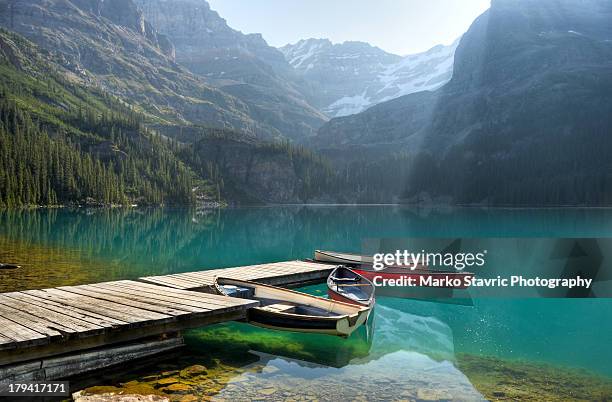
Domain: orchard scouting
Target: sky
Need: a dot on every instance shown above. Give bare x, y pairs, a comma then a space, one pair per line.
397, 26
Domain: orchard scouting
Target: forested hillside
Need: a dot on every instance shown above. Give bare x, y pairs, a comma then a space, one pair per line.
41, 169
258, 172
63, 143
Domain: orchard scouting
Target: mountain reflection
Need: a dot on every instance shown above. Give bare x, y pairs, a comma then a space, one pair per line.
61, 247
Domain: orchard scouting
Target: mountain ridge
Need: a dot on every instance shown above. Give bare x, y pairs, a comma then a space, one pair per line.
354, 75
242, 65
116, 48
65, 143
521, 122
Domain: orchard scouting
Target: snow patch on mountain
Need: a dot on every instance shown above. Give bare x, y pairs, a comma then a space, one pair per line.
421, 72
353, 76
349, 105
305, 51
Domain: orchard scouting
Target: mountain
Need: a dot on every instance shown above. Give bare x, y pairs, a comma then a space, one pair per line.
63, 142
241, 65
111, 45
524, 120
353, 76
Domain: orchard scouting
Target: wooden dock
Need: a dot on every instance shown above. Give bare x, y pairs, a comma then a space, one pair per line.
52, 333
285, 274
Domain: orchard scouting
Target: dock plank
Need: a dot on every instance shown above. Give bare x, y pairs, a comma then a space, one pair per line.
179, 295
75, 312
171, 282
280, 273
124, 313
20, 334
57, 320
4, 339
32, 322
156, 298
151, 309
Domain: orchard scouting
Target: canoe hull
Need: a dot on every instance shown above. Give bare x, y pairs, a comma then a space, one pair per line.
340, 319
285, 322
338, 297
353, 260
341, 258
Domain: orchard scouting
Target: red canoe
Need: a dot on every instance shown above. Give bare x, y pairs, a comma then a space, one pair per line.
345, 285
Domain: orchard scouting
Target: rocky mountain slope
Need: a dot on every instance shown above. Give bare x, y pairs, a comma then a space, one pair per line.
524, 120
353, 76
241, 65
62, 142
110, 44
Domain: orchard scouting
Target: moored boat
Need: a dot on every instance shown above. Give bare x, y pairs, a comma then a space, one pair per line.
288, 310
345, 285
335, 257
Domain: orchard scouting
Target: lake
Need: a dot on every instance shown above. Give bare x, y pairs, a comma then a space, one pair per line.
541, 349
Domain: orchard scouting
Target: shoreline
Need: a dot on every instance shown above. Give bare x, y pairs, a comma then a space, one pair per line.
217, 205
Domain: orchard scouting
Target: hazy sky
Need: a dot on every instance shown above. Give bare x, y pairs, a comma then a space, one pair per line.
397, 26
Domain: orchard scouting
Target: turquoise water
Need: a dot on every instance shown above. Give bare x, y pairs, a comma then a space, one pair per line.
59, 247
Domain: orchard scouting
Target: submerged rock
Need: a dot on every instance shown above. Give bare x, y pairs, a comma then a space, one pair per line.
167, 381
529, 381
268, 391
193, 371
176, 388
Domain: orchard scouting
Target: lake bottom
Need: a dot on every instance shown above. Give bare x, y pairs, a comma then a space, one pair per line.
237, 362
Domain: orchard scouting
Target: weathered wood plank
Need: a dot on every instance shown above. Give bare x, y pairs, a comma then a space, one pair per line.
4, 339
125, 334
25, 319
190, 298
245, 273
62, 367
75, 312
280, 273
22, 372
170, 282
136, 301
121, 312
156, 298
21, 334
181, 278
57, 320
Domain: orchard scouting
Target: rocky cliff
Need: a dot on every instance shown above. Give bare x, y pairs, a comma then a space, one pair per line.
241, 65
524, 120
112, 44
